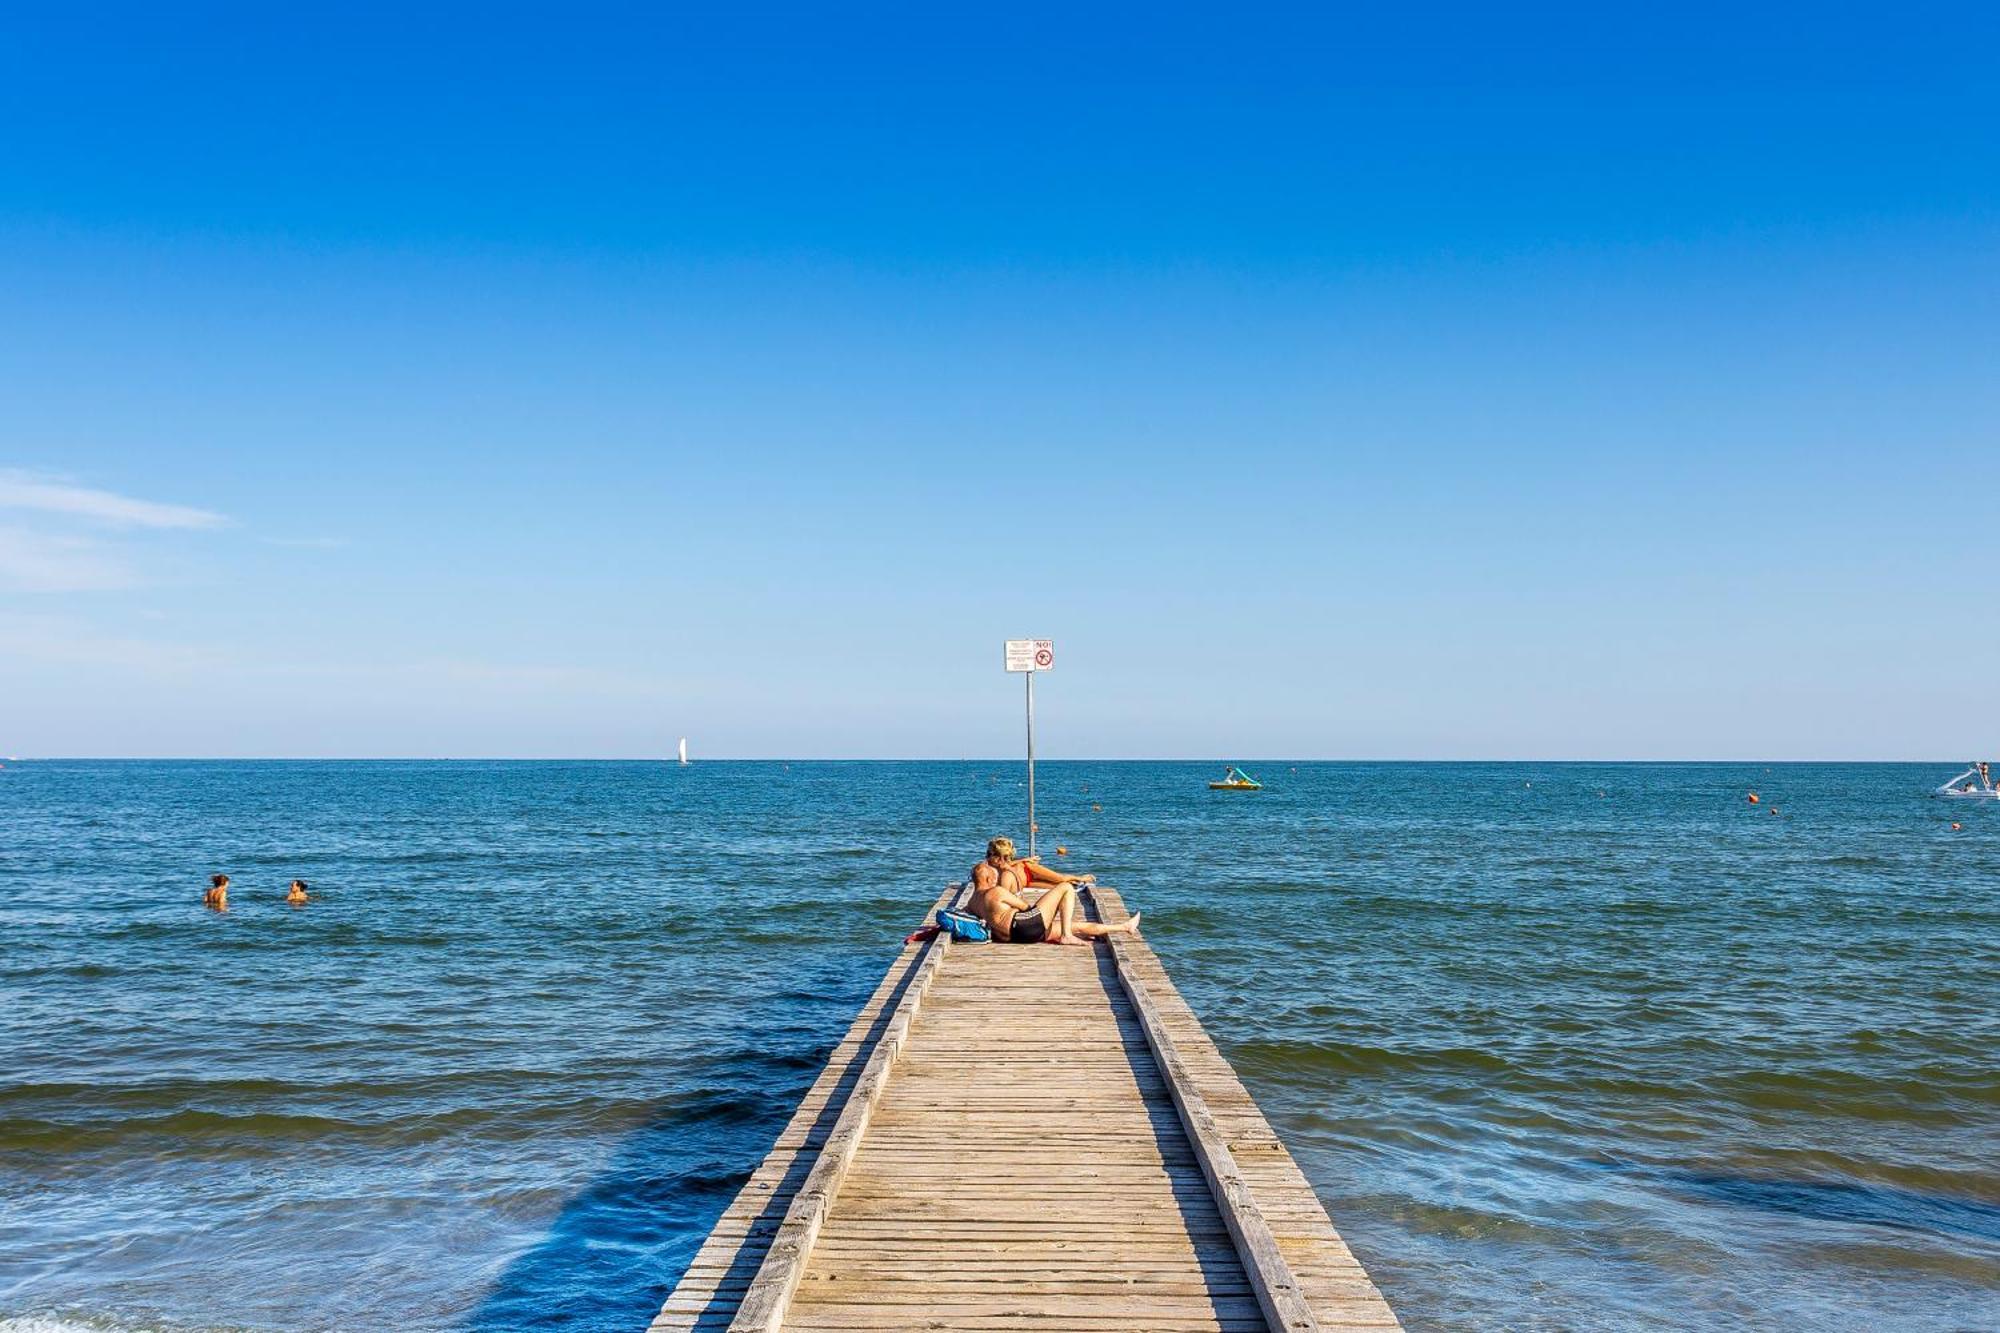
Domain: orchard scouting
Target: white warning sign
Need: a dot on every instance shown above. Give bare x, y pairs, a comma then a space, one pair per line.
1031, 654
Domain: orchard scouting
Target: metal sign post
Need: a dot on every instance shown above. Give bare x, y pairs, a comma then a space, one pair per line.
1032, 826
1029, 656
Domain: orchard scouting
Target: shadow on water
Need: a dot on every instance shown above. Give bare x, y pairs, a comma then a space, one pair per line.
613, 1255
1829, 1200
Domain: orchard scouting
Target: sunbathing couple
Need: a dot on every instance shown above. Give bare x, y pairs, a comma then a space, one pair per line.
1055, 916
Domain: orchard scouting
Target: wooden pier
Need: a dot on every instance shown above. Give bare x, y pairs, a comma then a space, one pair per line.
1026, 1138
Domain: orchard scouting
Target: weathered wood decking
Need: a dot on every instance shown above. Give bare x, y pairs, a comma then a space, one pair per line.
1091, 1163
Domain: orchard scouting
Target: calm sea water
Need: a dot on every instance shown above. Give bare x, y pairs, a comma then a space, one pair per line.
1562, 1046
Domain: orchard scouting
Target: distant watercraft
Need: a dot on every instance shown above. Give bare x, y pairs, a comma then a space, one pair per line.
1236, 780
684, 750
1975, 783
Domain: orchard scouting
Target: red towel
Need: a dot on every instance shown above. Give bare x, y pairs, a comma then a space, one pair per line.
922, 933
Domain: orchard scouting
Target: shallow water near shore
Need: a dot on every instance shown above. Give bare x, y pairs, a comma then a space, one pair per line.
1561, 1046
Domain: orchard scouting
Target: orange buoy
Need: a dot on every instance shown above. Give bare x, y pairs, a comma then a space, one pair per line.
1062, 851
1753, 798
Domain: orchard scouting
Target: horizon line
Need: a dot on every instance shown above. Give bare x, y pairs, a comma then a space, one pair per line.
671, 762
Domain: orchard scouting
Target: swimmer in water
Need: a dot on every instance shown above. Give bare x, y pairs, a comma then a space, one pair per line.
218, 893
297, 893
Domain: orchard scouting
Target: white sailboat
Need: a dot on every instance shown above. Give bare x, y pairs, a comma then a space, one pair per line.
684, 751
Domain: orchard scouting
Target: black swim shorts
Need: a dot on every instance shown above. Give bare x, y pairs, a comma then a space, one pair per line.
1028, 928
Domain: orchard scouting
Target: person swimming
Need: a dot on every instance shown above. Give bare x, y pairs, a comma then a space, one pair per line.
998, 883
218, 893
297, 893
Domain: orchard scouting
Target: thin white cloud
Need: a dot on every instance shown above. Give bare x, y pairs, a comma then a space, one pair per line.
438, 683
54, 495
39, 562
64, 641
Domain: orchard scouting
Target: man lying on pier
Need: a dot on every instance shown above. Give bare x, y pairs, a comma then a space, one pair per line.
998, 884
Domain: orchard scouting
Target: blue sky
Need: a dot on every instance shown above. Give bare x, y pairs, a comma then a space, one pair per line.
1554, 383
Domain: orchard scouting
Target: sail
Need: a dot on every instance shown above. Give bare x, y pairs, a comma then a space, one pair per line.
684, 749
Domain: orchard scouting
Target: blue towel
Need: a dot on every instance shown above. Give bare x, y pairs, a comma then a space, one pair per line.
962, 926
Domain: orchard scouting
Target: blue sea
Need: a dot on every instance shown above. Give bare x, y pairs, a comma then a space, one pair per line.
1561, 1046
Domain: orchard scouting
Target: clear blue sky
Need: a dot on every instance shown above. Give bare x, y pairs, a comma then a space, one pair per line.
1485, 382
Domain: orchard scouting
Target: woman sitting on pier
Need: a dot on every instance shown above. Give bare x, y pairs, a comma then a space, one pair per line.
1055, 915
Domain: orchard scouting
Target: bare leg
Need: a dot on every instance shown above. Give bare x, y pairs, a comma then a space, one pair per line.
1091, 930
1076, 928
1058, 907
1069, 926
1034, 873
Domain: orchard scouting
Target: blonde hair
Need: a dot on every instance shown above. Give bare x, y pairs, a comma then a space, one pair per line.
1002, 848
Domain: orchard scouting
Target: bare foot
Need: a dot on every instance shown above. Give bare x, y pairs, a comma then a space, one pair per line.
1074, 939
1132, 926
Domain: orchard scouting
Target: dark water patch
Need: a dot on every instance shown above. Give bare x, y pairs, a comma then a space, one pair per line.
1295, 1057
1859, 1203
1942, 1095
128, 1099
1186, 917
192, 1130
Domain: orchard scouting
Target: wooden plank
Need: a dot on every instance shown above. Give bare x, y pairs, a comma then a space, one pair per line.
1031, 1138
706, 1296
1334, 1282
770, 1294
1278, 1291
979, 1202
